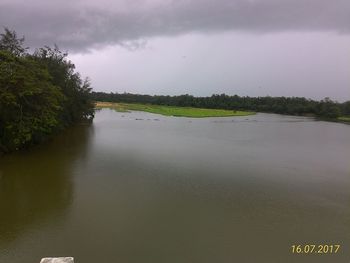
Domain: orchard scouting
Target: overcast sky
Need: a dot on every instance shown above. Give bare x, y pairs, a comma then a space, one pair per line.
199, 47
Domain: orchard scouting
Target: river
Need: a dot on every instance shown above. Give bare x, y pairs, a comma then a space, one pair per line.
139, 187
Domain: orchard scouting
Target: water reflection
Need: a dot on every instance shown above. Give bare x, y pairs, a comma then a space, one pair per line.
37, 185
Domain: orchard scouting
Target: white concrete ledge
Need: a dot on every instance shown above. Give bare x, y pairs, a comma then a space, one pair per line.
57, 260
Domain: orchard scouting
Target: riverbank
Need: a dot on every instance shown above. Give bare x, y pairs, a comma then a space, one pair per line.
343, 119
172, 111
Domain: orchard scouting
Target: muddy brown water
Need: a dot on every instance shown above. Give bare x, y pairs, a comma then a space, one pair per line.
140, 187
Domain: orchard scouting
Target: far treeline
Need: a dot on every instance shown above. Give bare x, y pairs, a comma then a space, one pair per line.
40, 93
326, 108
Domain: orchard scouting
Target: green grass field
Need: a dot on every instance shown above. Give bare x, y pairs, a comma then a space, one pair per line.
344, 118
172, 111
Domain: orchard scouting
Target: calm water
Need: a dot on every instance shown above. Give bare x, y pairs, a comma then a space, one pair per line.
138, 187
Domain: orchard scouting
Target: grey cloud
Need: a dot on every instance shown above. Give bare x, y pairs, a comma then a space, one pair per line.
82, 25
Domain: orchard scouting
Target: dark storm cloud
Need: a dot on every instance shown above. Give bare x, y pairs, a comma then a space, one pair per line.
79, 25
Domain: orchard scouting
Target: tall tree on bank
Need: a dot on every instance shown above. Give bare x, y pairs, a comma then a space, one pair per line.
40, 94
77, 105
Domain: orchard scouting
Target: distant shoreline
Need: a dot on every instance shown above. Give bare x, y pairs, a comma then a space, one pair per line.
325, 109
192, 112
172, 110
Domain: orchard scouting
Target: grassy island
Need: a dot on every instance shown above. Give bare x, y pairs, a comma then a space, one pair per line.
172, 111
344, 118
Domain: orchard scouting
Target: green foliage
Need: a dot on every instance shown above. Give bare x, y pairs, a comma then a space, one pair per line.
40, 94
345, 108
11, 43
328, 109
78, 105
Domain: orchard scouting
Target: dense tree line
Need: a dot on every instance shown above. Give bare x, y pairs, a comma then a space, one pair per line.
40, 93
282, 105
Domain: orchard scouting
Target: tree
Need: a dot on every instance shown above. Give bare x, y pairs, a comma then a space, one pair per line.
328, 109
40, 94
29, 103
346, 108
78, 104
11, 43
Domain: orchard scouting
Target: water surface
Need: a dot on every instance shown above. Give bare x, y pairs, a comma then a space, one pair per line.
140, 187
